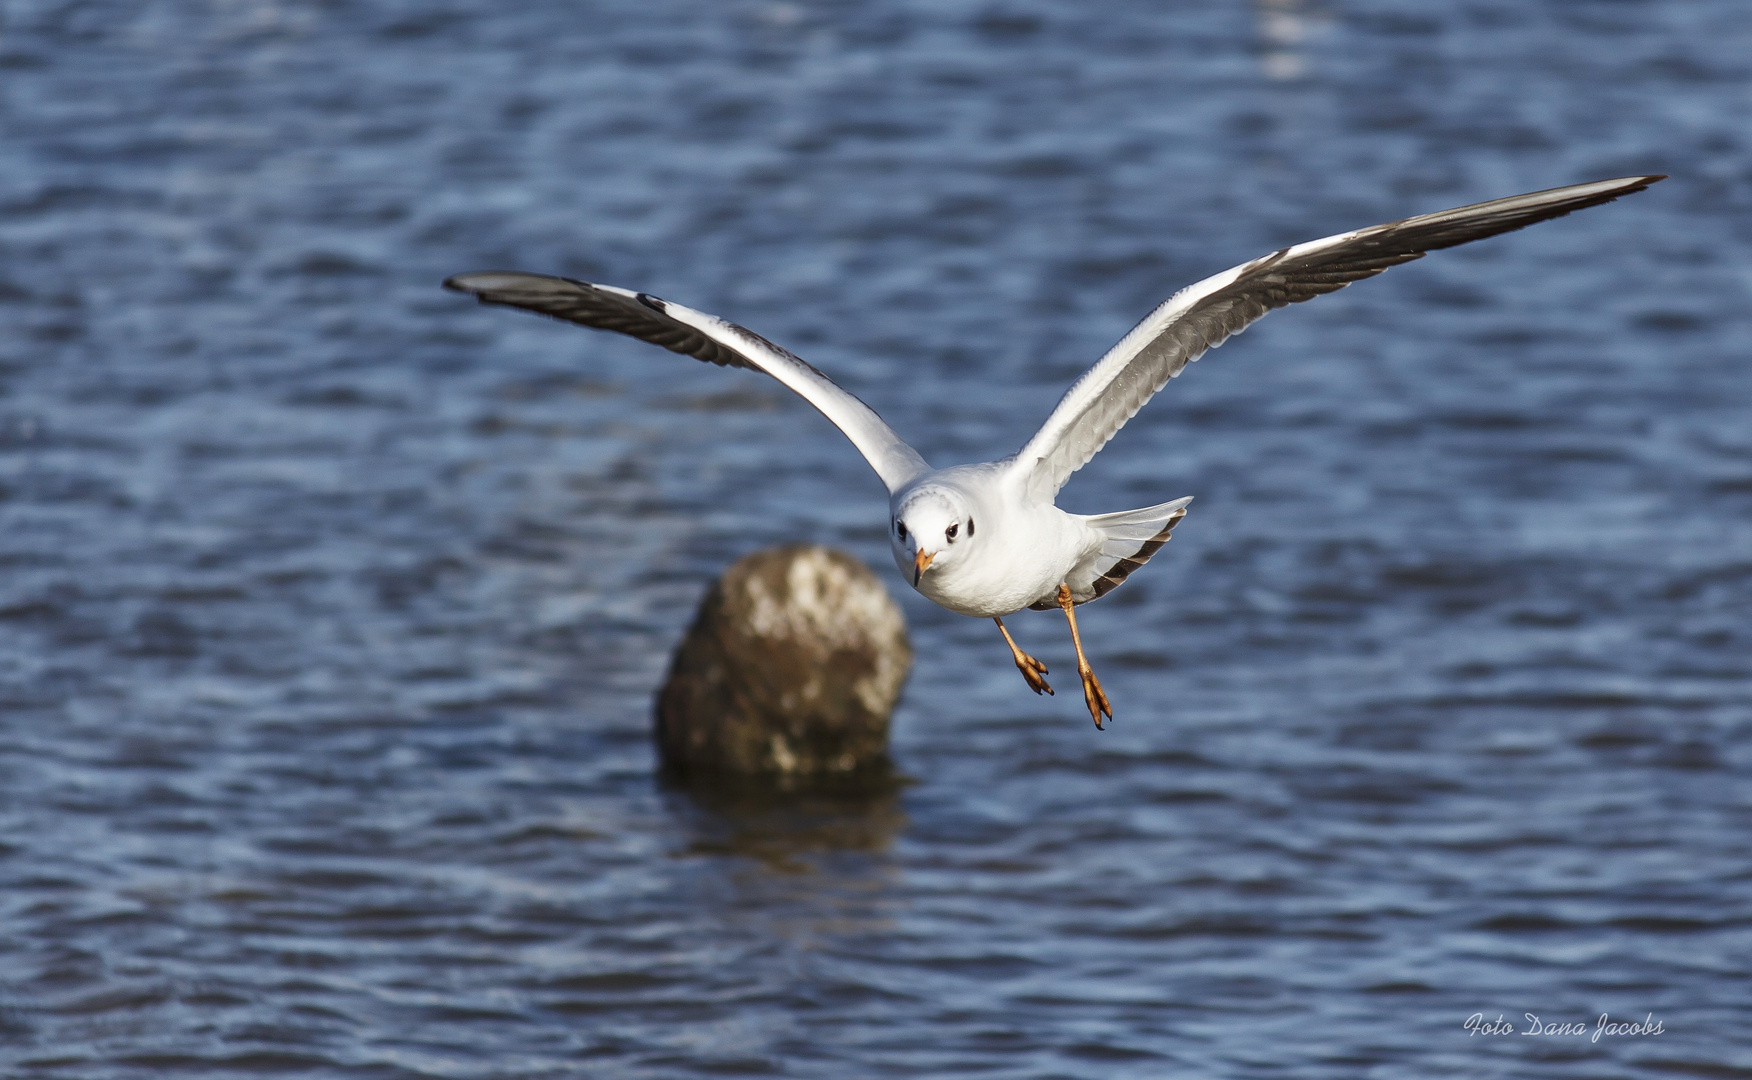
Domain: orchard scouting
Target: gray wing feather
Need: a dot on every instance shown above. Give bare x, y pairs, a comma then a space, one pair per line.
1204, 315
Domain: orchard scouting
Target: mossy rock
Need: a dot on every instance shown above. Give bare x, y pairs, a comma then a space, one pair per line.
788, 675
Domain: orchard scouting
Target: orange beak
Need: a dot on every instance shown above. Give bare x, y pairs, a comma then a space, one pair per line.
921, 563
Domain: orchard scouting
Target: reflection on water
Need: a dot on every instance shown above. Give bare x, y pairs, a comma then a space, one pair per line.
779, 831
1282, 29
333, 605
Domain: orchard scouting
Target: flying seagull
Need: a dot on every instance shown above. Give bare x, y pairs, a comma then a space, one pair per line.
986, 540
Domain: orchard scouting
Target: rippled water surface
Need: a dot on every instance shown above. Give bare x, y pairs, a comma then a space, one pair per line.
333, 605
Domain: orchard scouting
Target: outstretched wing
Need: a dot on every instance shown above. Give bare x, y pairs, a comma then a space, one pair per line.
703, 337
1202, 316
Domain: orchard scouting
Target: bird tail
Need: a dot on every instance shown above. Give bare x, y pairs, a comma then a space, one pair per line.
1129, 538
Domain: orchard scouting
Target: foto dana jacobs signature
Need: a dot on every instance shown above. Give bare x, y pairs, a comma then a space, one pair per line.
1476, 1024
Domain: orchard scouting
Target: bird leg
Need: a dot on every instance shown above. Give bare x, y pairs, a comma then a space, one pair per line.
1092, 695
1031, 669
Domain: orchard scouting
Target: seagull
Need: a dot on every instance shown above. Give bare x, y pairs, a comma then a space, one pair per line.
986, 540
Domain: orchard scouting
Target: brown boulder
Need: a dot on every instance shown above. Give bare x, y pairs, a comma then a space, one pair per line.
787, 676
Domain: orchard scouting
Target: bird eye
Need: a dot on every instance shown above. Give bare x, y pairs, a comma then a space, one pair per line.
900, 529
951, 531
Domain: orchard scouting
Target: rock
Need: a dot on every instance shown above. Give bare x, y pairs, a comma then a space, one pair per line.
788, 674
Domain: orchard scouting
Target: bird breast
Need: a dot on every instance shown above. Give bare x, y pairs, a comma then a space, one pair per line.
1009, 563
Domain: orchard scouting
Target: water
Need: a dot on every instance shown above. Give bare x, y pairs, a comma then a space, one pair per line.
333, 606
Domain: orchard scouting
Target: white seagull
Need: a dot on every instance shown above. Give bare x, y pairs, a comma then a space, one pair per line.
986, 540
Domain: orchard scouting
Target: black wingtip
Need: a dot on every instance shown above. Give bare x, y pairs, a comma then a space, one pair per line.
1628, 185
1641, 183
512, 288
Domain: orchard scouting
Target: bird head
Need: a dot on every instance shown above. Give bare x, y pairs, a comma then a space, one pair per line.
927, 528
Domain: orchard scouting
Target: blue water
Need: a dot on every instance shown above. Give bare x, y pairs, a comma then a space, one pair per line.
333, 605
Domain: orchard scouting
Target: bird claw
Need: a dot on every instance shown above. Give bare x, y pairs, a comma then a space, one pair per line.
1032, 670
1092, 693
1094, 697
